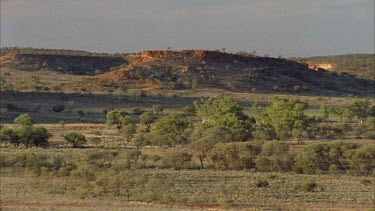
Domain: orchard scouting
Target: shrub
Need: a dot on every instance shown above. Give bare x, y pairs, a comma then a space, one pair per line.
83, 191
225, 203
296, 88
75, 139
307, 186
262, 183
157, 108
177, 160
362, 159
58, 108
365, 182
24, 119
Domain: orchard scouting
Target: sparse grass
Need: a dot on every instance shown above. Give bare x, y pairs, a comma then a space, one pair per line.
206, 185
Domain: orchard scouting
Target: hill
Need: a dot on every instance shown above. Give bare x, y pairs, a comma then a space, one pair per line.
174, 70
64, 61
359, 65
213, 69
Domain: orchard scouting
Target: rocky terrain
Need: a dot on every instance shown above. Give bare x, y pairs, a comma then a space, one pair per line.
198, 68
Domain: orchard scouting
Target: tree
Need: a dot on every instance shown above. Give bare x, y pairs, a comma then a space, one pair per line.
177, 159
275, 157
360, 109
75, 139
320, 156
24, 119
128, 131
203, 140
170, 131
118, 118
148, 118
324, 112
140, 140
224, 113
158, 108
8, 135
285, 115
231, 156
27, 135
362, 160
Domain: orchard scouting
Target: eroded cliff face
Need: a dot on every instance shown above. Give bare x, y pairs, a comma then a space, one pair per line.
326, 66
192, 54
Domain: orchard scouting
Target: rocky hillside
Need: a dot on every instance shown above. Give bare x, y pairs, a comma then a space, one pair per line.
72, 64
197, 68
358, 65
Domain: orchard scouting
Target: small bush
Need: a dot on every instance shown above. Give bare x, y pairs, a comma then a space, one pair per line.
262, 183
58, 108
225, 203
365, 182
296, 88
307, 186
83, 191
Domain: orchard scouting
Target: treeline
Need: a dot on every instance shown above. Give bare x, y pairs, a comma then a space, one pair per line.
217, 134
224, 120
46, 51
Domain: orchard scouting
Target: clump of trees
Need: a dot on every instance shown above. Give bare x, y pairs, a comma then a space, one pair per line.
227, 114
25, 133
118, 119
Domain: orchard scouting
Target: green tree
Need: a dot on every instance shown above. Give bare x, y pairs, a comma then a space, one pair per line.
324, 112
118, 118
170, 131
75, 139
285, 115
232, 156
225, 113
128, 131
24, 119
148, 118
360, 109
275, 156
177, 159
320, 156
9, 135
203, 140
29, 135
362, 160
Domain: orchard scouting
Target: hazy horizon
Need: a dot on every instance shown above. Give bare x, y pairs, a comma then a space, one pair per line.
288, 28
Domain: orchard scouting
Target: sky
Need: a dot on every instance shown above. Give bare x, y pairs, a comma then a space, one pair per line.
275, 27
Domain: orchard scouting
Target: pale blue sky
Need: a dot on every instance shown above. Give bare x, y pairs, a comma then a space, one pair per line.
275, 27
